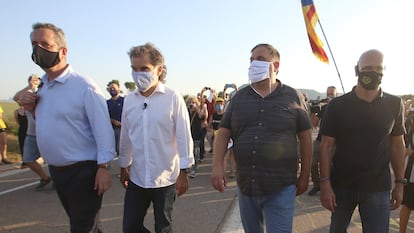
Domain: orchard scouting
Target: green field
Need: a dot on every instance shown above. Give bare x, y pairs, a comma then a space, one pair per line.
13, 151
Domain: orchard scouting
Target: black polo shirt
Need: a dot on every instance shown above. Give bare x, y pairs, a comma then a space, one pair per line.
264, 133
362, 133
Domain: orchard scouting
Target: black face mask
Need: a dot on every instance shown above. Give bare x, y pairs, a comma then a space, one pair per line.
113, 93
369, 80
44, 58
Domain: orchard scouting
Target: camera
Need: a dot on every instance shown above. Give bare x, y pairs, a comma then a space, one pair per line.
229, 85
316, 105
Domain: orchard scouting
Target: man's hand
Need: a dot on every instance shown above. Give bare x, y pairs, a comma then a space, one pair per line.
102, 180
124, 179
328, 198
397, 196
182, 183
302, 184
218, 179
28, 101
116, 123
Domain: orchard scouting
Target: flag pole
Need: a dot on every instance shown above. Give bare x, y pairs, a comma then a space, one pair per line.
333, 59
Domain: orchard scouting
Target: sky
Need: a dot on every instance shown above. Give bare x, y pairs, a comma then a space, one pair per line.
208, 42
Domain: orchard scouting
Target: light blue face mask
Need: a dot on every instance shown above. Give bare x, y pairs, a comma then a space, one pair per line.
143, 80
219, 107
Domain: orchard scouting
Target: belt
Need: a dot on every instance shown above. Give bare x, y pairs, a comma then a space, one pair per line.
74, 165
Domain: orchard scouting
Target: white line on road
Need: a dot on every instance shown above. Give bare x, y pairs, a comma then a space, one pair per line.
18, 188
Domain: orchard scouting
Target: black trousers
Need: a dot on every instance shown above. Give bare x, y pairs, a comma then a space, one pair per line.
75, 188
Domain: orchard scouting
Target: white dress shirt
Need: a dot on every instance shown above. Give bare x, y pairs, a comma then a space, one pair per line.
155, 137
72, 121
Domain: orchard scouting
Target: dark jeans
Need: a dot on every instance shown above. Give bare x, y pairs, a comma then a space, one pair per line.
117, 134
374, 209
203, 137
75, 188
136, 203
315, 163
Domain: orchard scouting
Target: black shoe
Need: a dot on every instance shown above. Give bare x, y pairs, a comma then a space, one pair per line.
6, 161
314, 191
43, 183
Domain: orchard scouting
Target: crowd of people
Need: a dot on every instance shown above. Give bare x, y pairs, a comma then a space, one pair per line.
263, 130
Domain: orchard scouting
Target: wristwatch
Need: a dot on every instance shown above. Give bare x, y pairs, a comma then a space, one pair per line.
104, 165
402, 181
185, 170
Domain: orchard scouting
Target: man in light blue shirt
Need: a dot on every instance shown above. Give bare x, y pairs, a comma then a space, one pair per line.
73, 131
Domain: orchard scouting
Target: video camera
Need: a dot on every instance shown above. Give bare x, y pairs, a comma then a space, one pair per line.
316, 105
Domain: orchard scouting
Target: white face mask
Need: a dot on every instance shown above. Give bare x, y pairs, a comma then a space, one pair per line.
259, 70
143, 80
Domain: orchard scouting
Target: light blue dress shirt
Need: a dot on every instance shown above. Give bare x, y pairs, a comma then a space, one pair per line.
72, 121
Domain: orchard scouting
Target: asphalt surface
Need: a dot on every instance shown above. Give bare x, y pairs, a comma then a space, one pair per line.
200, 210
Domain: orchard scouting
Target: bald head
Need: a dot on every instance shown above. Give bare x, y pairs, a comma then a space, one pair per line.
371, 60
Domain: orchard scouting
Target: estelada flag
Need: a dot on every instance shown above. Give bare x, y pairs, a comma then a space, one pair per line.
311, 18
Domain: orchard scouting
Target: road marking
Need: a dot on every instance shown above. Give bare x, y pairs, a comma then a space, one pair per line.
18, 188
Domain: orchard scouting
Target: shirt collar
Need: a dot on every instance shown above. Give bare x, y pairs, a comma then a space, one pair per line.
160, 88
62, 78
379, 96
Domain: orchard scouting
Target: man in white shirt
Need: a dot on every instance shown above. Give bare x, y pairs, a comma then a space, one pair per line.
155, 146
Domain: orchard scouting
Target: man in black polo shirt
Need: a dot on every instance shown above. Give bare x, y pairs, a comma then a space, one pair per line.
265, 120
366, 127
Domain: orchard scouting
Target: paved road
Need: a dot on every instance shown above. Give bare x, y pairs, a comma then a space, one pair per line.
22, 209
201, 210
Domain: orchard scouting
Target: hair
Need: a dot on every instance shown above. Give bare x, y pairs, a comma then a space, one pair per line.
59, 34
156, 58
333, 87
275, 55
113, 82
32, 76
189, 98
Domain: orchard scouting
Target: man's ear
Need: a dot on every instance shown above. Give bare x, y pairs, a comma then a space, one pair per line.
159, 70
276, 67
356, 70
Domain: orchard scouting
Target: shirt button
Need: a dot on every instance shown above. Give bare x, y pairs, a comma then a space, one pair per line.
253, 180
254, 166
256, 137
260, 124
261, 110
254, 152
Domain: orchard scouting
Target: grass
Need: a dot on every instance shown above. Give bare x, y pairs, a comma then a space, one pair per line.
13, 150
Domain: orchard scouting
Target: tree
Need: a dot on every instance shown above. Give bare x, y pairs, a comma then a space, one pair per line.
130, 86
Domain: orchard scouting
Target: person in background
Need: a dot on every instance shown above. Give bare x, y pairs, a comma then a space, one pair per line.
214, 126
156, 149
20, 115
362, 132
408, 197
198, 115
30, 149
3, 140
330, 94
73, 130
265, 121
115, 105
207, 99
21, 120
